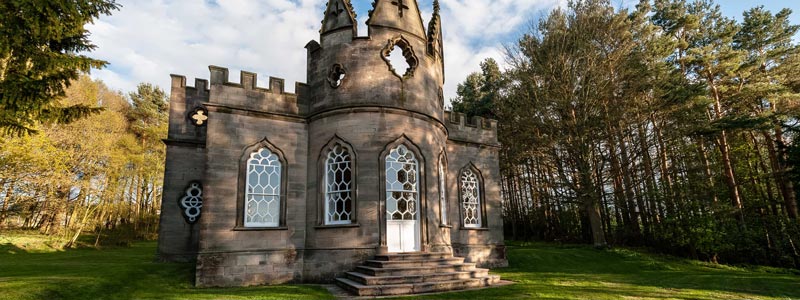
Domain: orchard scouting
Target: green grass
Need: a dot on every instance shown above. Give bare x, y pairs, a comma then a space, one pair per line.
34, 270
545, 271
31, 267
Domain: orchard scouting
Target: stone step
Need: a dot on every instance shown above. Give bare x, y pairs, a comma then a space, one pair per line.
415, 288
414, 263
412, 271
385, 280
413, 256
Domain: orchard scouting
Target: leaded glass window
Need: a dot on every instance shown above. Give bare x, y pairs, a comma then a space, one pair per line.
471, 199
338, 186
402, 185
442, 193
263, 191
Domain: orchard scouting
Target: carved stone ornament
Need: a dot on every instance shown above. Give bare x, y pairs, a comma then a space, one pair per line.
401, 5
408, 54
199, 117
192, 202
337, 75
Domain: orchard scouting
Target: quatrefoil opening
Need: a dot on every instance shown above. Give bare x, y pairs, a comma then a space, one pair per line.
400, 44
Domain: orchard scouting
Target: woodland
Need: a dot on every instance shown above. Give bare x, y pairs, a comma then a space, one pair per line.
75, 157
668, 126
100, 175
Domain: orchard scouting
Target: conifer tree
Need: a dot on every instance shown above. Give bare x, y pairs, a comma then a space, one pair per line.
42, 46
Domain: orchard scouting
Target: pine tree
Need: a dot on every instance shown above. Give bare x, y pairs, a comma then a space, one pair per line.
478, 95
40, 54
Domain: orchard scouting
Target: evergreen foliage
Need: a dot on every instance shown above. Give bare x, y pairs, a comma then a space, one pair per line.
41, 46
668, 126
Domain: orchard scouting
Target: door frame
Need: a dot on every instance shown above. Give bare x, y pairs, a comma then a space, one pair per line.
422, 209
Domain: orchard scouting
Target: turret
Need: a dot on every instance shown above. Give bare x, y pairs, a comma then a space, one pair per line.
347, 71
402, 15
339, 17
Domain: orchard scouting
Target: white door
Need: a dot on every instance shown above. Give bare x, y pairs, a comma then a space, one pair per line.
402, 236
402, 201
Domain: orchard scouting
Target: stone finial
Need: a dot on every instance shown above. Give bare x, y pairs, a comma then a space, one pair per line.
339, 14
397, 14
435, 44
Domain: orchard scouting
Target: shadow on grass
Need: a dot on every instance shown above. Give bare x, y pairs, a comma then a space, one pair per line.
541, 271
643, 270
545, 271
118, 273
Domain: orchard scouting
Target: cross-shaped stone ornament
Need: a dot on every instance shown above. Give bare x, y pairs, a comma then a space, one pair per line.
199, 117
401, 5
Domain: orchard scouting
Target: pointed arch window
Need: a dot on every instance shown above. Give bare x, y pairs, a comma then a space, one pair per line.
262, 207
402, 184
339, 186
471, 199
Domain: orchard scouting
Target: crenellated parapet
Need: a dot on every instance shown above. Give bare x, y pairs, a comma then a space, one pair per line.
475, 130
193, 103
185, 101
246, 95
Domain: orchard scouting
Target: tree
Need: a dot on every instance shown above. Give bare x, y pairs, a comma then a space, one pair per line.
765, 86
149, 116
569, 81
629, 128
479, 94
40, 46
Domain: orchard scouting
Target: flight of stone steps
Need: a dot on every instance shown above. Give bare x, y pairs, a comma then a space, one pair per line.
414, 273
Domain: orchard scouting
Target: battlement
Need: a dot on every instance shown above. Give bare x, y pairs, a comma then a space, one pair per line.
246, 95
473, 130
200, 85
248, 81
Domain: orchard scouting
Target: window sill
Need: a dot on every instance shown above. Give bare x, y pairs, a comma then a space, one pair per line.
445, 226
475, 228
356, 225
239, 228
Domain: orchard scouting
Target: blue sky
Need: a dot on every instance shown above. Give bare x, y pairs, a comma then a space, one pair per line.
147, 40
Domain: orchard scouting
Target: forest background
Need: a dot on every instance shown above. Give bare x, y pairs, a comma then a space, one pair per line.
668, 126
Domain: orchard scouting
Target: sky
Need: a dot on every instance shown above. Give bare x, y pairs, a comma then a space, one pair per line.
147, 40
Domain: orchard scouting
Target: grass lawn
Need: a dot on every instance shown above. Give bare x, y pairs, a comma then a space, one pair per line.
30, 268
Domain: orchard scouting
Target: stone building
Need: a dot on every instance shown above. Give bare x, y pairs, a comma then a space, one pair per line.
359, 175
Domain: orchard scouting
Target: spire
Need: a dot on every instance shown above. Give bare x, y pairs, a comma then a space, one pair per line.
339, 14
398, 14
435, 32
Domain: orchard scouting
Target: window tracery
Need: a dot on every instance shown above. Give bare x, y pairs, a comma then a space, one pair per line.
471, 199
263, 190
338, 186
402, 185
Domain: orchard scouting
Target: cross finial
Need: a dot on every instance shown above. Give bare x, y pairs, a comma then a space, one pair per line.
400, 6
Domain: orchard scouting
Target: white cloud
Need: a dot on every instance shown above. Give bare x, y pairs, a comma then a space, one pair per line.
149, 39
476, 29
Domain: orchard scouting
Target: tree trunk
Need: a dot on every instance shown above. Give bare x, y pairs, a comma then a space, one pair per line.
724, 149
6, 198
633, 204
779, 172
588, 197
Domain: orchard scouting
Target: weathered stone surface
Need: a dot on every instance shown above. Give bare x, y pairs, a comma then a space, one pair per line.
369, 110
